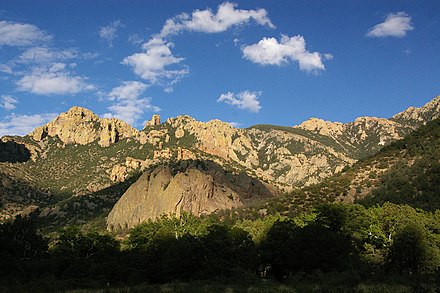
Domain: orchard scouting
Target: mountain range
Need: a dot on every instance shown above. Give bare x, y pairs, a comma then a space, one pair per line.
83, 169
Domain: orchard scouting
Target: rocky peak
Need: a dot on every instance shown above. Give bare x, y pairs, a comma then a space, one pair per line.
180, 120
322, 127
415, 117
114, 129
81, 126
218, 123
155, 120
79, 114
369, 122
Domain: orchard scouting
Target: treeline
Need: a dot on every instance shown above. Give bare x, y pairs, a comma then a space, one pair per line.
350, 239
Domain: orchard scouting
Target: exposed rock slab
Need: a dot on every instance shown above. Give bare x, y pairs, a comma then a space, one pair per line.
197, 187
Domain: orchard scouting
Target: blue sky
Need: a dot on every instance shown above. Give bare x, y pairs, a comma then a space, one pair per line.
244, 62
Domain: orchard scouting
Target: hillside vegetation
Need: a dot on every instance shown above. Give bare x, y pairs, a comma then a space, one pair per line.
405, 172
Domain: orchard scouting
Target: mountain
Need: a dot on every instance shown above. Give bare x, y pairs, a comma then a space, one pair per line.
75, 168
406, 171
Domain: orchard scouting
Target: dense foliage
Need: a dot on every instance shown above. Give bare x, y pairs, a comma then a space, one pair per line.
345, 239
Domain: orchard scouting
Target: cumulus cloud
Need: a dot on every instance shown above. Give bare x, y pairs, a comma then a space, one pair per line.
206, 21
7, 102
21, 34
156, 63
129, 105
247, 100
23, 124
395, 25
269, 51
109, 32
52, 80
129, 90
40, 68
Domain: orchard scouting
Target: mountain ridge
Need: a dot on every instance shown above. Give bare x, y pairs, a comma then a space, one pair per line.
79, 154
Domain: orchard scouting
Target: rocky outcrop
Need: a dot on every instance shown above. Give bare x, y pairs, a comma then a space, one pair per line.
197, 187
371, 132
415, 117
322, 127
366, 135
111, 130
155, 120
82, 126
119, 173
184, 154
78, 126
165, 154
214, 137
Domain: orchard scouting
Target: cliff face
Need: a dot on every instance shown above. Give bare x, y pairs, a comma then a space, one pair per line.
197, 187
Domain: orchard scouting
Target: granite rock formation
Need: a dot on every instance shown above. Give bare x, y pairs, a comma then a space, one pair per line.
197, 187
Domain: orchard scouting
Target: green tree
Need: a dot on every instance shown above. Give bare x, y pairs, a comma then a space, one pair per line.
411, 252
20, 239
73, 243
331, 216
276, 252
228, 252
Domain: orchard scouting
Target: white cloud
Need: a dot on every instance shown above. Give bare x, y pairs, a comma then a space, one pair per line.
24, 124
269, 51
46, 55
7, 102
153, 64
89, 55
135, 39
129, 105
205, 21
5, 68
40, 68
131, 111
109, 32
395, 25
21, 34
128, 90
246, 100
52, 80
